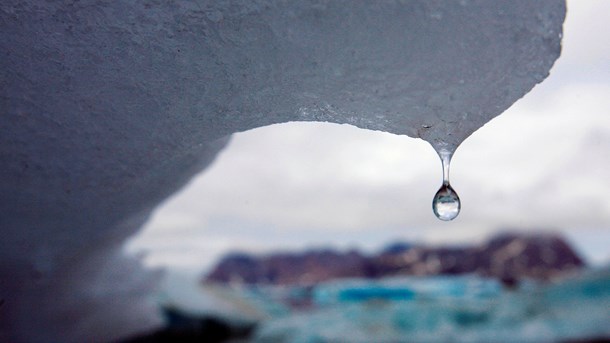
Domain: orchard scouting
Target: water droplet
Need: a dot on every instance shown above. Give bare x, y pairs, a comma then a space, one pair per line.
446, 203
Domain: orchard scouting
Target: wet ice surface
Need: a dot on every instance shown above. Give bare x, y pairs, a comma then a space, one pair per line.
109, 107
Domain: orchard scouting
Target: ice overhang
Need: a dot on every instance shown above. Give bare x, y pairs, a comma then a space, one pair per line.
108, 107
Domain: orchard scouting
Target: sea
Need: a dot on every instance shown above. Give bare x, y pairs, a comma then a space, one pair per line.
434, 309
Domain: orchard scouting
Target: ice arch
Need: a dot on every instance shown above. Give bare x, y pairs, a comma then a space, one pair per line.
108, 107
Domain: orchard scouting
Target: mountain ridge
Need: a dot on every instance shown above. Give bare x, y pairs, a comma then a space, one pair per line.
507, 256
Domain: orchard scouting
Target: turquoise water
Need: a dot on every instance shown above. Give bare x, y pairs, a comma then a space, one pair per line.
410, 309
446, 309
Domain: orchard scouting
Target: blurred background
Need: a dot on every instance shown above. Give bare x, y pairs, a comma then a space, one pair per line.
352, 209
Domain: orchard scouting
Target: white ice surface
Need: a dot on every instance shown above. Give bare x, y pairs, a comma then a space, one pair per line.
109, 107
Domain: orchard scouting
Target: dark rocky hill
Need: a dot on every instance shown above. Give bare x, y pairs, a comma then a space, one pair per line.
508, 257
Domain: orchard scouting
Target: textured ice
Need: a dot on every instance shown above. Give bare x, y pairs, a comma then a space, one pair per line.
108, 107
453, 309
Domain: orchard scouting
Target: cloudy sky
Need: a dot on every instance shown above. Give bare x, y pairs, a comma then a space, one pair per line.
544, 164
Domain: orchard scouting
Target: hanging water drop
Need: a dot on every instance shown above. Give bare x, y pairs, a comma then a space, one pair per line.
446, 203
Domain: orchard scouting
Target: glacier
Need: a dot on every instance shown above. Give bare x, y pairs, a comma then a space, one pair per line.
110, 107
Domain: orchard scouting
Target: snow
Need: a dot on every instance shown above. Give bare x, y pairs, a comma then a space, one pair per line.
110, 107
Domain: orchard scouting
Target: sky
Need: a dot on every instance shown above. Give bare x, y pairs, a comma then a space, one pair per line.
541, 165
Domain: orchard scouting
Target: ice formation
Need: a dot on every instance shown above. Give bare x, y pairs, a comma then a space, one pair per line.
109, 107
448, 309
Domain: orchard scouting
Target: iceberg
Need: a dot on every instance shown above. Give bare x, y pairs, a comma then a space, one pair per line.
463, 309
110, 107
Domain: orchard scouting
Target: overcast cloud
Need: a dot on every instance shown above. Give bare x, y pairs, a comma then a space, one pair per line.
542, 164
